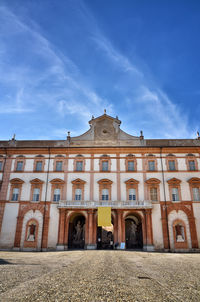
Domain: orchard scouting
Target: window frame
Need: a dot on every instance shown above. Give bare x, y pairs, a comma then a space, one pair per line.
78, 184
130, 158
194, 182
104, 158
57, 183
174, 183
16, 183
189, 158
131, 184
105, 184
36, 184
22, 159
153, 183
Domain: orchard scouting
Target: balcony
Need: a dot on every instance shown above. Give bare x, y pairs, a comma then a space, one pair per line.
130, 204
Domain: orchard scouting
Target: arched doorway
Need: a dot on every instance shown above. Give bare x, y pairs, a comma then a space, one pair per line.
76, 236
133, 232
105, 237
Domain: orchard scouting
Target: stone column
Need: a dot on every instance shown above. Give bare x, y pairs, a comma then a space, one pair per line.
45, 231
66, 231
60, 244
149, 232
18, 233
90, 244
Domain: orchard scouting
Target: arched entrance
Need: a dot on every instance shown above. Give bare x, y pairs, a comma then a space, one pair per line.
133, 232
76, 235
105, 237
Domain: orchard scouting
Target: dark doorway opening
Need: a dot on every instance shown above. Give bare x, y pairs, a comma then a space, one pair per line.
133, 232
105, 238
76, 238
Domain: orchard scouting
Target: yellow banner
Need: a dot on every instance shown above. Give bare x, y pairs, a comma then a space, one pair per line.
104, 216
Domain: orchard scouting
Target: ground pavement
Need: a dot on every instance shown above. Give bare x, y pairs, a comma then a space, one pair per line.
99, 276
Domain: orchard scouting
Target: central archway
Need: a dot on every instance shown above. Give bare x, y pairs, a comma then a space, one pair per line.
133, 232
76, 235
105, 237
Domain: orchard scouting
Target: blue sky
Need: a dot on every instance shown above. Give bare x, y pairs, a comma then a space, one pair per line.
63, 61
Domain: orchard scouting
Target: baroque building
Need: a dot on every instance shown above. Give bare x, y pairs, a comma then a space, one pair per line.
51, 192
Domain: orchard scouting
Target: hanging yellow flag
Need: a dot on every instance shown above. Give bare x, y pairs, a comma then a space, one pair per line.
104, 216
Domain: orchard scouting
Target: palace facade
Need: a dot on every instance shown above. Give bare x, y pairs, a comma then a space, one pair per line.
50, 191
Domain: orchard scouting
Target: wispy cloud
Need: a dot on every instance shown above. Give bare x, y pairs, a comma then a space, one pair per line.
58, 72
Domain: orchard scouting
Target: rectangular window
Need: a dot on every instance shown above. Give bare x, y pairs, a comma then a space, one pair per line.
192, 165
1, 165
105, 165
175, 196
172, 165
79, 166
19, 166
131, 165
59, 166
151, 165
153, 194
105, 194
196, 194
56, 195
38, 166
36, 194
15, 194
132, 194
78, 194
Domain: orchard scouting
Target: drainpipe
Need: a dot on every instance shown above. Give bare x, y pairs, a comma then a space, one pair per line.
163, 181
45, 200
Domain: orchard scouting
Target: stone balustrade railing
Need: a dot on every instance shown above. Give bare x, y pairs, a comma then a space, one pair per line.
129, 204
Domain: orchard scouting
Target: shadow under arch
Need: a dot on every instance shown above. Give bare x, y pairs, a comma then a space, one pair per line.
76, 233
133, 231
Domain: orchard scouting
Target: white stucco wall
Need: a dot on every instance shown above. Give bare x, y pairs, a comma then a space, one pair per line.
8, 230
157, 227
53, 226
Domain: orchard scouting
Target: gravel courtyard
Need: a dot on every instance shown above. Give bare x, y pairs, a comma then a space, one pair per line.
99, 276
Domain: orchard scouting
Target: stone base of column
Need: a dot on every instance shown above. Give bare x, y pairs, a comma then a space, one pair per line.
60, 247
16, 249
91, 247
148, 248
44, 249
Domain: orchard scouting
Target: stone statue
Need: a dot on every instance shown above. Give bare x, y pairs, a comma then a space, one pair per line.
179, 233
78, 228
31, 232
133, 229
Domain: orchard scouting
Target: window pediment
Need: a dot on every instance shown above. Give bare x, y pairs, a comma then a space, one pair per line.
16, 181
174, 181
194, 180
105, 181
78, 181
131, 181
57, 181
36, 181
153, 181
